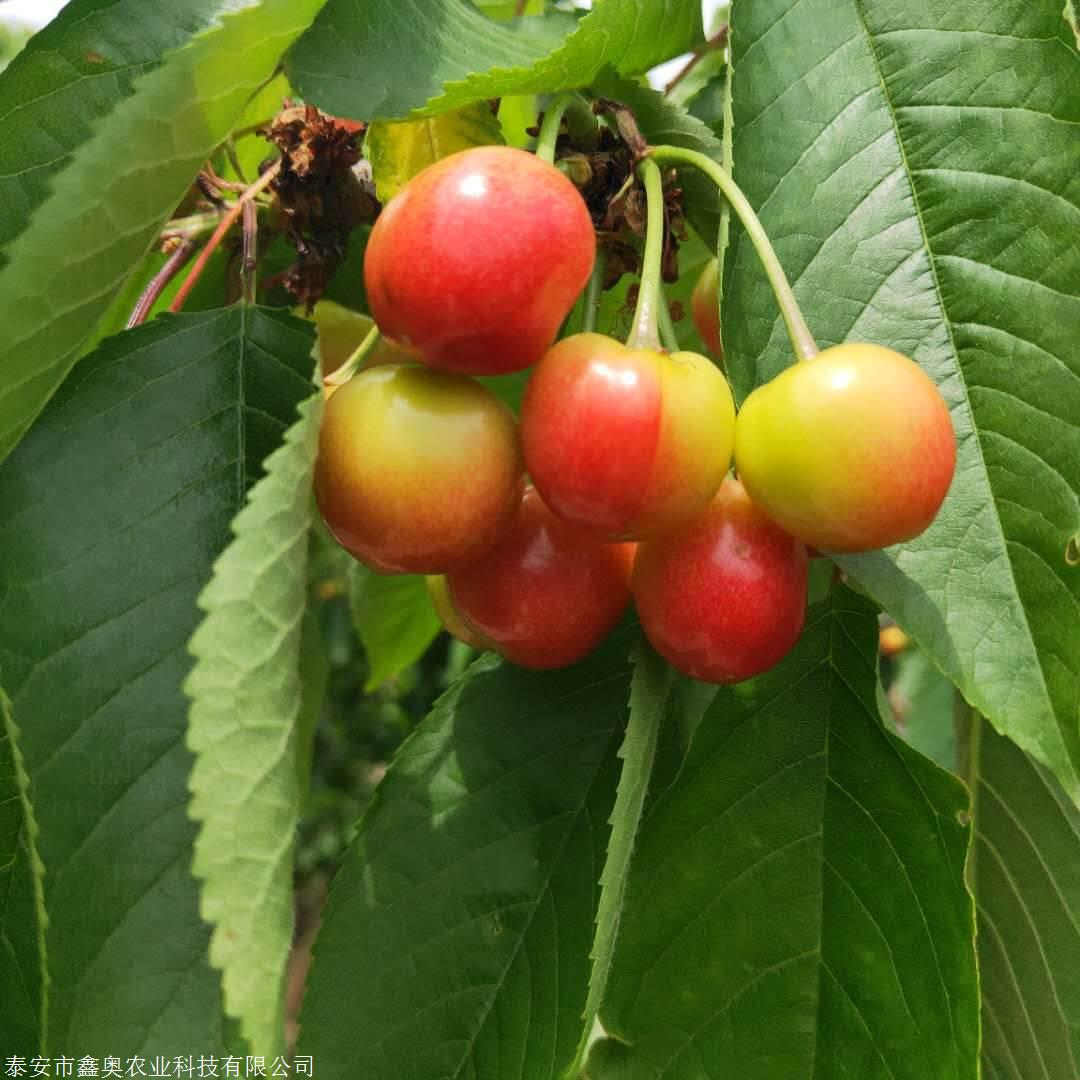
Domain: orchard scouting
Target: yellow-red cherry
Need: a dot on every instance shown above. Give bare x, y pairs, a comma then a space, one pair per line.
418, 471
849, 451
629, 441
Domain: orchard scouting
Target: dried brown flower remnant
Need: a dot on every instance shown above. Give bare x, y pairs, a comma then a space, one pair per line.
319, 195
604, 174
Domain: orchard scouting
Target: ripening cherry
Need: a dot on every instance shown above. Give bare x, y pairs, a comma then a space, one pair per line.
850, 450
723, 599
705, 308
418, 471
631, 441
474, 264
548, 593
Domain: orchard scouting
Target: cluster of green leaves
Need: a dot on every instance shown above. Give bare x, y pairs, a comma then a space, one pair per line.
605, 869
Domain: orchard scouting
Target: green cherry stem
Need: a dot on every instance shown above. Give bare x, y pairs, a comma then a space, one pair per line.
553, 117
645, 333
801, 339
668, 334
591, 311
355, 362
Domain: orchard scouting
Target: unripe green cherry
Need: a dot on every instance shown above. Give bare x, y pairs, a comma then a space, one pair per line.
418, 471
705, 307
631, 442
849, 451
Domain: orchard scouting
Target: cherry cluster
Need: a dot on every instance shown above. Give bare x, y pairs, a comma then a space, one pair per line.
472, 269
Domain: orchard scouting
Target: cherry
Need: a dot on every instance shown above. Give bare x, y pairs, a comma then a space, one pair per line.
630, 441
723, 599
705, 308
850, 450
418, 471
452, 622
548, 593
478, 259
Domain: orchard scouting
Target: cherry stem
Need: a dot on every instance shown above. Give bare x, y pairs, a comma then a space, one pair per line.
224, 225
591, 311
668, 334
645, 333
356, 361
176, 262
802, 340
553, 117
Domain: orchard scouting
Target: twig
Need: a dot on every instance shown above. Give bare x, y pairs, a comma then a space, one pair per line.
519, 8
717, 41
248, 266
183, 251
224, 225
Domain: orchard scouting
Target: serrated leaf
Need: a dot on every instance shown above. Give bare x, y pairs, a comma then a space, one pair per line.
797, 904
388, 59
23, 968
115, 508
1026, 873
246, 696
395, 621
108, 204
650, 691
456, 936
933, 206
398, 151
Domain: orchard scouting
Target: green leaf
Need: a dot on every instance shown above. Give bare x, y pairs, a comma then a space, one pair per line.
797, 904
115, 507
915, 202
387, 58
650, 692
398, 151
922, 701
108, 205
246, 696
69, 78
394, 619
1026, 870
315, 678
23, 971
456, 936
13, 37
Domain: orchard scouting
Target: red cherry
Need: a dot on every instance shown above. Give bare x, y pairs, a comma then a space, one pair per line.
630, 441
548, 593
439, 595
725, 598
475, 263
705, 308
